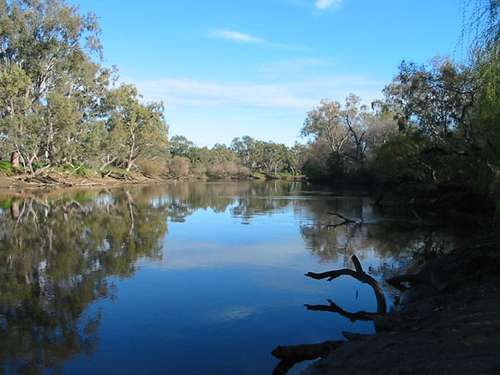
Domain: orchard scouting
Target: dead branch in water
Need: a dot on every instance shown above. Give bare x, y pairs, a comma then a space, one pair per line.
360, 275
333, 307
290, 355
345, 219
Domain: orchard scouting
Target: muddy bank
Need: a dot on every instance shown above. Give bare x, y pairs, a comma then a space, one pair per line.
60, 180
447, 322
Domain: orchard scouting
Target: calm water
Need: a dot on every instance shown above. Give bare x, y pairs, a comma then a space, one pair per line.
186, 278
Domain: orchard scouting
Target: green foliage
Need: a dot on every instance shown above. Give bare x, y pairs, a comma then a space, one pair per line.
435, 99
152, 167
5, 166
267, 157
82, 170
6, 203
179, 167
343, 138
57, 105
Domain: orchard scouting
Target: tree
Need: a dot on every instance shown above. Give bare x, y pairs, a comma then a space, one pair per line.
179, 145
436, 99
45, 47
324, 124
244, 147
343, 130
134, 129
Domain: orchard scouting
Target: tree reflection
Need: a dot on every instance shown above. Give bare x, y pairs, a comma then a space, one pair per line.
396, 235
59, 251
244, 199
57, 256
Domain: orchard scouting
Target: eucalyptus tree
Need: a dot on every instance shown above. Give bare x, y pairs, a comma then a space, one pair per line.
244, 147
178, 145
343, 129
436, 99
49, 77
134, 129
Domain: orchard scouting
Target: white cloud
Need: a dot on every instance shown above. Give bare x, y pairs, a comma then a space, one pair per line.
202, 93
236, 36
244, 38
301, 95
325, 4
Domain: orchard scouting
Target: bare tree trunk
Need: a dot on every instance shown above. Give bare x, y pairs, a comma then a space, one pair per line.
14, 159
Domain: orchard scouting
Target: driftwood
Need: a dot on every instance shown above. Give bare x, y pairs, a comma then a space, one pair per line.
290, 355
333, 307
447, 273
359, 275
345, 220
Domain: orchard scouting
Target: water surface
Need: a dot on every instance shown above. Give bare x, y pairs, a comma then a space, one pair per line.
186, 278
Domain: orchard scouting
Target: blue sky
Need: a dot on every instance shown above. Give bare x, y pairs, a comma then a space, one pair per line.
227, 68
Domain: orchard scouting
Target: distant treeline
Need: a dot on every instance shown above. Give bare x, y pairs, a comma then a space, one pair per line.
61, 109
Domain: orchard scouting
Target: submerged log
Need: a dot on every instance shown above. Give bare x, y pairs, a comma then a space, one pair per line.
290, 355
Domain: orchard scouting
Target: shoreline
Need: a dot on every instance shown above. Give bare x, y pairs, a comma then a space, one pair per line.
446, 322
53, 181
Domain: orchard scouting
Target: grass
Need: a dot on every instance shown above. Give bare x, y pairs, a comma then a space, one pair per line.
5, 166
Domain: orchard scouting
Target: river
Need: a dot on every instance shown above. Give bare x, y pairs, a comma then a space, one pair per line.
188, 277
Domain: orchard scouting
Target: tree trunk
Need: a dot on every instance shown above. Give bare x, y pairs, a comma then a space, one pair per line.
14, 159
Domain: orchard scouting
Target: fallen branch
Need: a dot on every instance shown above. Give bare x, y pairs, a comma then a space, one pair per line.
360, 275
290, 355
346, 219
333, 307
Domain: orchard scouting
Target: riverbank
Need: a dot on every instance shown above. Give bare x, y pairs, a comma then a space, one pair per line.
446, 323
62, 180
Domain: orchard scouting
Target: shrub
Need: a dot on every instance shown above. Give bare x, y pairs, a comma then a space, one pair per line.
216, 171
152, 168
200, 170
179, 167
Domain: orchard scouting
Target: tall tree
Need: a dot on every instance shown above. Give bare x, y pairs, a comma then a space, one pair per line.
135, 129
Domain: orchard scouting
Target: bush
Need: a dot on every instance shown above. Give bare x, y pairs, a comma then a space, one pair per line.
179, 167
200, 170
83, 171
152, 168
216, 171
